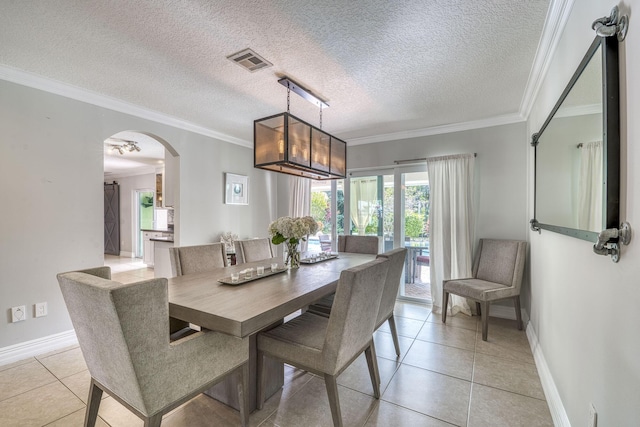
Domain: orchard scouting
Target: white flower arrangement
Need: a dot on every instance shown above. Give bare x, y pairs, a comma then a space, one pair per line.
292, 230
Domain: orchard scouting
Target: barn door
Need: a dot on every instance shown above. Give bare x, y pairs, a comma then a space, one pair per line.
112, 219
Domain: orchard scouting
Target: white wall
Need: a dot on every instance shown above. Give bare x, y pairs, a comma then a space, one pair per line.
51, 166
501, 182
584, 308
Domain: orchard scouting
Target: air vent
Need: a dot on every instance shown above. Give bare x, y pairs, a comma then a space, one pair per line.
250, 60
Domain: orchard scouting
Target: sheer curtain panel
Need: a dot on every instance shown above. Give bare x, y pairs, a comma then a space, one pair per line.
451, 217
590, 187
364, 198
300, 200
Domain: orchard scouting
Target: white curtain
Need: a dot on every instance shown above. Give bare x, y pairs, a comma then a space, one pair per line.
363, 200
590, 187
300, 200
451, 229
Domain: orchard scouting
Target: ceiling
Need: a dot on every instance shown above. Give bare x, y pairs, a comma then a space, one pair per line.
385, 67
147, 160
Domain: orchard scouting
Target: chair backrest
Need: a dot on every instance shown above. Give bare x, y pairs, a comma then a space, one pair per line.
197, 259
396, 259
354, 312
253, 250
122, 330
500, 261
359, 244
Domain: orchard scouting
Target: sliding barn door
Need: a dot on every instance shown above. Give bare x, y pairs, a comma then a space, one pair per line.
112, 219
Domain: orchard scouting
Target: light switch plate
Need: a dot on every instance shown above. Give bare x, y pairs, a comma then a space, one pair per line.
41, 309
593, 416
18, 314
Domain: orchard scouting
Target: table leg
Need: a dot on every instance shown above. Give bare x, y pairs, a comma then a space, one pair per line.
226, 391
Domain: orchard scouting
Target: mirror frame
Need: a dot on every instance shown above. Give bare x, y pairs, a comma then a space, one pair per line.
610, 139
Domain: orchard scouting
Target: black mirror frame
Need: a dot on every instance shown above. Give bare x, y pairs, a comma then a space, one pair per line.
610, 138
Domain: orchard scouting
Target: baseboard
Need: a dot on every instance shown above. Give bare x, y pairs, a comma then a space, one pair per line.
24, 350
127, 254
506, 312
558, 414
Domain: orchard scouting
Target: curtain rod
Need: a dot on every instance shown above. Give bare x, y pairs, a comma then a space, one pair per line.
422, 159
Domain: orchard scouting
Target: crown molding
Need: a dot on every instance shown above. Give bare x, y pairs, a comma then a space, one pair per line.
438, 130
557, 17
35, 81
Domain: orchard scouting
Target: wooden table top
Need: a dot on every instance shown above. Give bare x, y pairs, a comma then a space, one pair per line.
245, 309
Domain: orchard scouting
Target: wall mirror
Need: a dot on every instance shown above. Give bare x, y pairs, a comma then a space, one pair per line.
577, 150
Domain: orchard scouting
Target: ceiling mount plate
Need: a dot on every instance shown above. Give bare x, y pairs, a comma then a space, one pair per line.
303, 92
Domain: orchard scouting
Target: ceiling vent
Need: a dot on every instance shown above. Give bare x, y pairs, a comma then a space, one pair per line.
250, 60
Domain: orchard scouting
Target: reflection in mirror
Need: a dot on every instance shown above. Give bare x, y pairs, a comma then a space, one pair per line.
569, 157
578, 150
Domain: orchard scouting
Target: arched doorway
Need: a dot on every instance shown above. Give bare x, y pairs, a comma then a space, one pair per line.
146, 170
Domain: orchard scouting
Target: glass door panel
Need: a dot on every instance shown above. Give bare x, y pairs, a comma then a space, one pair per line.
415, 212
328, 213
371, 207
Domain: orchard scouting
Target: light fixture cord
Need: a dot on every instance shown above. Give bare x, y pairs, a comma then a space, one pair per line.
320, 116
288, 96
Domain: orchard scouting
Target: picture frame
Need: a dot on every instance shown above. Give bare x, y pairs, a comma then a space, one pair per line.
236, 189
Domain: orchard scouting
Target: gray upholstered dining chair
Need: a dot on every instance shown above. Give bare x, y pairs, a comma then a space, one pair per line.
351, 244
194, 259
497, 272
197, 259
327, 346
253, 250
396, 259
122, 331
359, 244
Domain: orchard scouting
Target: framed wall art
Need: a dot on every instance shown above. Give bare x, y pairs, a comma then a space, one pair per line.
236, 189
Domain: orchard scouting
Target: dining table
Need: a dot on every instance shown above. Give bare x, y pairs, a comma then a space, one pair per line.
244, 309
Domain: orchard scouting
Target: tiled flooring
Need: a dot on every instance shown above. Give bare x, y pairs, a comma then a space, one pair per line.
446, 375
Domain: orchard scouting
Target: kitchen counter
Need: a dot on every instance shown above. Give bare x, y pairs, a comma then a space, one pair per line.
157, 230
162, 239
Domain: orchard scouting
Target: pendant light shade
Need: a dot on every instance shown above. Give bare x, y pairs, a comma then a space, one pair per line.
284, 143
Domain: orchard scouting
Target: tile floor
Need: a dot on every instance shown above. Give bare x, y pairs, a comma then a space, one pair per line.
446, 375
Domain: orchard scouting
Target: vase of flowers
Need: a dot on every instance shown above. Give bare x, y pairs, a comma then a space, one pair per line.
292, 231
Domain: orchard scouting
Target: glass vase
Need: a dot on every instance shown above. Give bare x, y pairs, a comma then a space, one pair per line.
293, 255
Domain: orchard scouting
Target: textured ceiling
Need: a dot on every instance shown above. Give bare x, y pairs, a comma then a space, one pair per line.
383, 66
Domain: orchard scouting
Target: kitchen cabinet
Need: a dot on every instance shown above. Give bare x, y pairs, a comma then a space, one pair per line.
161, 257
148, 249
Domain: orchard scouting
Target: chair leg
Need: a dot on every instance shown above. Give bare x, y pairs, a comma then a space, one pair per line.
445, 304
516, 300
94, 399
243, 394
478, 309
484, 307
372, 363
375, 357
261, 380
334, 401
394, 334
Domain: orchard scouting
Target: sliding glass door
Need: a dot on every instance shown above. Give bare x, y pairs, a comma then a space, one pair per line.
391, 203
394, 204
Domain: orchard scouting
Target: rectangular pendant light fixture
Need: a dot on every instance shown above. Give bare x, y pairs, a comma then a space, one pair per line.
286, 144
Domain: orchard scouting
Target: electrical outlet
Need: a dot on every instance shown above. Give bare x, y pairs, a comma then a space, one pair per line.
593, 416
40, 309
18, 313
